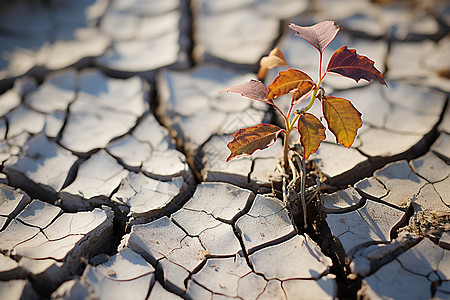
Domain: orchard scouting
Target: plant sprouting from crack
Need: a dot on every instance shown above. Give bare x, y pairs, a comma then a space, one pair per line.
342, 118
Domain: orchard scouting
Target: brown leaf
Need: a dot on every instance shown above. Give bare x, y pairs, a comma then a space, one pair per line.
312, 133
319, 35
444, 73
288, 81
348, 63
343, 119
247, 140
252, 89
274, 59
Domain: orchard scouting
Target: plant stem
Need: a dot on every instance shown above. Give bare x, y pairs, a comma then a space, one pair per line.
286, 144
291, 126
314, 95
277, 108
320, 66
302, 191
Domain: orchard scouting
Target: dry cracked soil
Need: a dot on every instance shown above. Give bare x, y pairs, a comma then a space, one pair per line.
113, 180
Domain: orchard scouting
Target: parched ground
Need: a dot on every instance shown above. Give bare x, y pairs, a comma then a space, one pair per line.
113, 134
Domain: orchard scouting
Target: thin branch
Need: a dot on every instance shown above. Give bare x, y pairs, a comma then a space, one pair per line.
270, 101
301, 163
303, 192
294, 170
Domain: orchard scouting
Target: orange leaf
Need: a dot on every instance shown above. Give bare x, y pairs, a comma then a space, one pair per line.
343, 119
274, 59
348, 63
252, 89
312, 133
247, 140
318, 35
289, 80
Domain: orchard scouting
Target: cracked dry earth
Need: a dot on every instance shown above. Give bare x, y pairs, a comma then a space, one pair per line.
113, 177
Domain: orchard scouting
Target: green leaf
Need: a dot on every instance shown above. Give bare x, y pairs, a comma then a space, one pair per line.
343, 119
312, 133
348, 63
247, 140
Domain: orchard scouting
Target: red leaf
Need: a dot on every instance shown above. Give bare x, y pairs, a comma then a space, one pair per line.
348, 63
312, 133
319, 35
292, 80
343, 119
252, 89
247, 140
274, 59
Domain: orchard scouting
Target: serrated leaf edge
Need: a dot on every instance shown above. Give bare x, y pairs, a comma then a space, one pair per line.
230, 157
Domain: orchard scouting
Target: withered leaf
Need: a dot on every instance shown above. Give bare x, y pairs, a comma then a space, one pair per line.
252, 89
312, 133
319, 35
289, 80
343, 119
348, 63
247, 140
274, 59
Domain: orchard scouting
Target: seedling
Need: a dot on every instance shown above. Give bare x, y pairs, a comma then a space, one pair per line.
342, 118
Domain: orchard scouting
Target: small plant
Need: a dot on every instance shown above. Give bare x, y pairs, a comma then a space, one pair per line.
342, 118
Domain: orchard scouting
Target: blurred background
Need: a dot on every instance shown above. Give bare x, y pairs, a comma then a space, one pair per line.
128, 36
